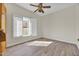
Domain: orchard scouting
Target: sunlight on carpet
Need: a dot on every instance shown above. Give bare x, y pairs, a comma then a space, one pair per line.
39, 43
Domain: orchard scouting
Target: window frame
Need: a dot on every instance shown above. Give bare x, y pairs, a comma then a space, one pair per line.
29, 28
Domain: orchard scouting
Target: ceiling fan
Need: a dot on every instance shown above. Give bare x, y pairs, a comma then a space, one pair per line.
40, 7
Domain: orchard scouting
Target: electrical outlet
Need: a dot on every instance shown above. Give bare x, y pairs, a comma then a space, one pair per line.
78, 39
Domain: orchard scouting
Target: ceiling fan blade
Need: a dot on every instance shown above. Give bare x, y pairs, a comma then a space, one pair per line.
46, 6
42, 11
35, 10
33, 5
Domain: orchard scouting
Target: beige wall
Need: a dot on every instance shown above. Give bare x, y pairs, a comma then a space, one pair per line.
77, 24
13, 9
62, 25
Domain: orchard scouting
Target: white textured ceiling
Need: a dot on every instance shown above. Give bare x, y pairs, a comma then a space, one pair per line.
54, 7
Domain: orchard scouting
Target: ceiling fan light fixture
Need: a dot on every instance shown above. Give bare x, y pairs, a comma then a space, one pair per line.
40, 7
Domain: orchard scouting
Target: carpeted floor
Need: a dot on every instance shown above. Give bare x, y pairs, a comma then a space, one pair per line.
43, 47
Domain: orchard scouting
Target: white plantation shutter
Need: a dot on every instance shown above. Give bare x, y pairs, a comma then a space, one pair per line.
17, 22
34, 26
29, 30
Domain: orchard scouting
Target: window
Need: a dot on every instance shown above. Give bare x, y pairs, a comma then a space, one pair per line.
24, 26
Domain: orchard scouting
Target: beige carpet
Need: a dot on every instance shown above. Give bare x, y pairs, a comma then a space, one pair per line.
43, 47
